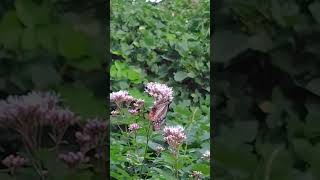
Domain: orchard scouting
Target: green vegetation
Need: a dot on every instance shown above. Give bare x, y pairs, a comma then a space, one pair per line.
166, 42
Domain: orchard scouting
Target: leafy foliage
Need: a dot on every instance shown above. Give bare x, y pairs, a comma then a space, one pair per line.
56, 45
266, 85
166, 42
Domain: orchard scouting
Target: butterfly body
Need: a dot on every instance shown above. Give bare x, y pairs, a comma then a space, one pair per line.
158, 114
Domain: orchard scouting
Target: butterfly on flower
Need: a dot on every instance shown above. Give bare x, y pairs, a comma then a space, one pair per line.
158, 114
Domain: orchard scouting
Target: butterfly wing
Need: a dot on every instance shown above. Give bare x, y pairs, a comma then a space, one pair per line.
158, 114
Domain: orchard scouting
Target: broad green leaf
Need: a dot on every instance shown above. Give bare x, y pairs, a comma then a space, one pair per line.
71, 43
44, 75
227, 45
180, 76
10, 30
29, 41
31, 14
81, 100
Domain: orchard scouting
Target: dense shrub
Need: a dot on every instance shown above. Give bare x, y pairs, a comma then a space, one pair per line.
266, 82
165, 42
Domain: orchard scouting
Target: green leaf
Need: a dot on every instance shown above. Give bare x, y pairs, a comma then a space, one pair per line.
314, 9
72, 44
303, 148
204, 168
228, 44
82, 100
260, 42
314, 86
149, 40
180, 76
10, 30
44, 75
86, 64
30, 13
29, 39
57, 170
46, 37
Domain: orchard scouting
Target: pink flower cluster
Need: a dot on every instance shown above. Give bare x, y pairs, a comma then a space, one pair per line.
121, 97
28, 113
92, 132
174, 136
30, 107
137, 105
134, 127
13, 162
73, 159
159, 91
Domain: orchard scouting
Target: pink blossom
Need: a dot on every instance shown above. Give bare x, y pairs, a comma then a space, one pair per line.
73, 159
133, 111
134, 127
13, 162
174, 136
159, 91
118, 96
138, 103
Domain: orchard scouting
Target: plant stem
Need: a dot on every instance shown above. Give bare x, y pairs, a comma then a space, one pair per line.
146, 147
189, 127
269, 163
176, 163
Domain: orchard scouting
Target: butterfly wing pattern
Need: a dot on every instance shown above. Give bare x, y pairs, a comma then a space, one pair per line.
158, 114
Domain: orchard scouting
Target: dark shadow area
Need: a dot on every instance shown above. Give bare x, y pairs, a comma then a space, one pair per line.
266, 90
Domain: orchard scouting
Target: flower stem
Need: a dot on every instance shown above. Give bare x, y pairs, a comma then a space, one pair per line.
176, 154
146, 147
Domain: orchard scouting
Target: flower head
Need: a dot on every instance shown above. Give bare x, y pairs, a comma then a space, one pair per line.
94, 127
154, 1
91, 135
134, 127
138, 103
73, 159
196, 175
160, 92
119, 96
30, 107
14, 162
174, 136
115, 112
159, 149
133, 111
206, 155
60, 117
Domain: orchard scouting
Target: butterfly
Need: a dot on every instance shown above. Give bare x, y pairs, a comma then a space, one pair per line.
158, 114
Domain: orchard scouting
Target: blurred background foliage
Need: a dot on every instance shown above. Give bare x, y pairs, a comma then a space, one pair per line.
266, 89
166, 42
55, 45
